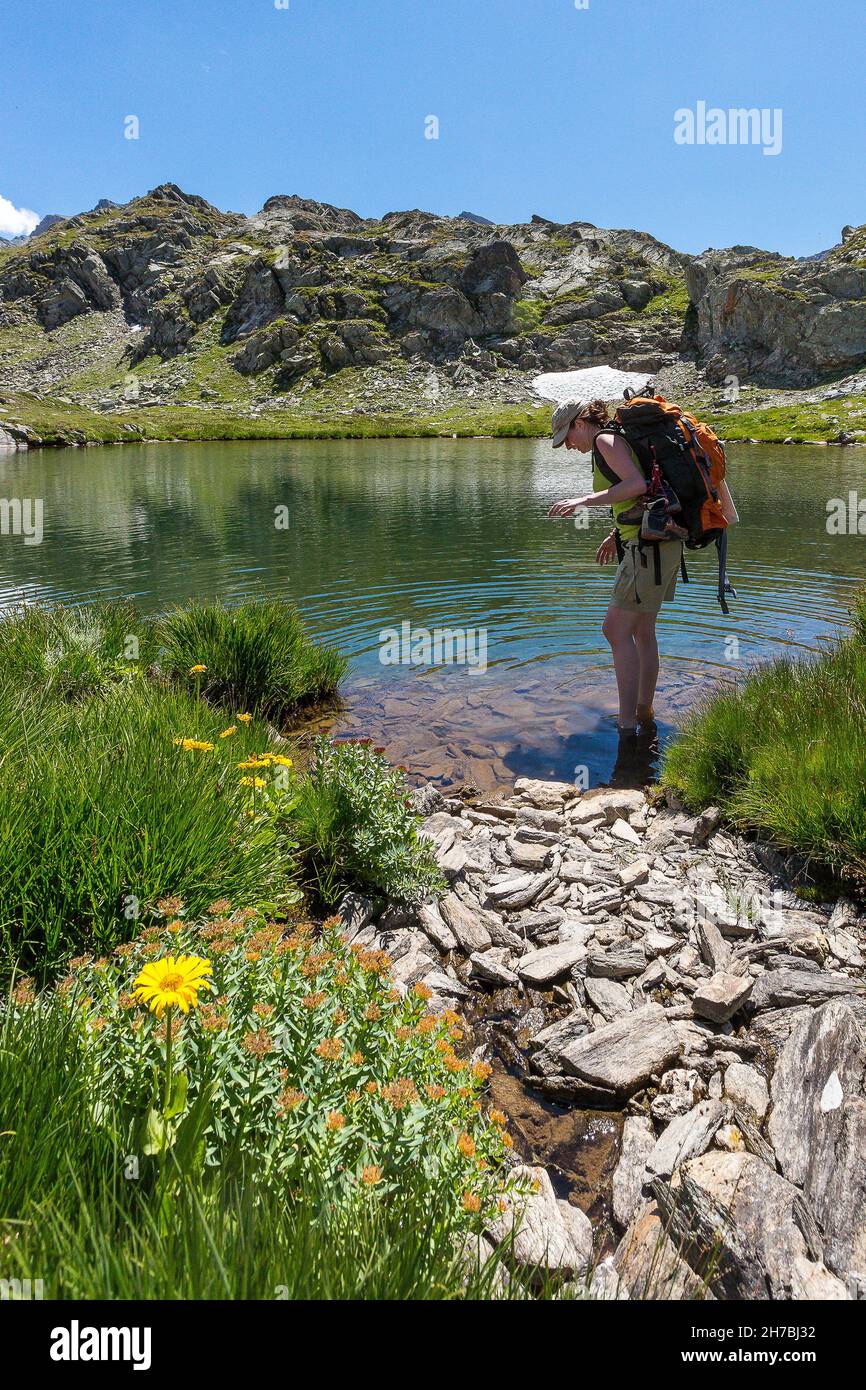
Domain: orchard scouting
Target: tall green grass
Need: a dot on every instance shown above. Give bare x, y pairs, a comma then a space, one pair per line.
785, 753
257, 657
102, 815
74, 652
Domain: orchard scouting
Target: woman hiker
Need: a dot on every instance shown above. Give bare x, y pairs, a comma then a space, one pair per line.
630, 622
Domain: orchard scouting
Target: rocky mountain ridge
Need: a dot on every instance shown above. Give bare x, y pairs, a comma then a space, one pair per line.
167, 298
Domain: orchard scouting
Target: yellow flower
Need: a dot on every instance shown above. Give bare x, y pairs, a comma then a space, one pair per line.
471, 1202
227, 733
249, 764
172, 982
194, 745
198, 670
466, 1145
245, 718
335, 1120
371, 1175
280, 760
253, 782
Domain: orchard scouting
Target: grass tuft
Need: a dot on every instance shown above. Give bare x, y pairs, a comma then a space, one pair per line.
785, 753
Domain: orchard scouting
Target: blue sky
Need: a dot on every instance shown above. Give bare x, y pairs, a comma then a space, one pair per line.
542, 107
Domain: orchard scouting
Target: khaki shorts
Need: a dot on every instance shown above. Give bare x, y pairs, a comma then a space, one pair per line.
636, 577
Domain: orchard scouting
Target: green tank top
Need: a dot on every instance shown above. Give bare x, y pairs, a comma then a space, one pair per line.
629, 531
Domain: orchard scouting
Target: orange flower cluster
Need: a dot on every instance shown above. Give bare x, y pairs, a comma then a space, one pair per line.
258, 1044
289, 1100
400, 1093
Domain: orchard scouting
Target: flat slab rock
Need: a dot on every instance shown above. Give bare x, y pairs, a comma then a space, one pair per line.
623, 1055
547, 796
746, 1229
817, 1127
685, 1137
550, 963
789, 986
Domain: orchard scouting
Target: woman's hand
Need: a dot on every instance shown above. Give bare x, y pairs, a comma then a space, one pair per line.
567, 507
606, 551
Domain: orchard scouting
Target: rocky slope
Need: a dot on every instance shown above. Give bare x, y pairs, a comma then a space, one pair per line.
168, 300
654, 965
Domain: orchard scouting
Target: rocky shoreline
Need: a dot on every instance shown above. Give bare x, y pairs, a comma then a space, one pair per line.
655, 966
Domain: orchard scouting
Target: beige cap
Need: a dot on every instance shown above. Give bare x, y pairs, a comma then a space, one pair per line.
564, 417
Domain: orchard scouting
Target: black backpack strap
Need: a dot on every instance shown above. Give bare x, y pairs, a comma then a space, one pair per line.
657, 563
683, 571
620, 548
657, 560
600, 462
725, 586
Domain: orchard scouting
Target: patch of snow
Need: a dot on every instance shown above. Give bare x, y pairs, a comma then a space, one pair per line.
832, 1094
588, 383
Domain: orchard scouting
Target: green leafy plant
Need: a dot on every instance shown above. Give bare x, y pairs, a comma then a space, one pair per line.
84, 1208
356, 829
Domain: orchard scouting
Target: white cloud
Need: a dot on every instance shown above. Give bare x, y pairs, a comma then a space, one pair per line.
16, 221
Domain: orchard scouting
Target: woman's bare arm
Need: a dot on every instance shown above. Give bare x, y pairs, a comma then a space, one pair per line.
617, 455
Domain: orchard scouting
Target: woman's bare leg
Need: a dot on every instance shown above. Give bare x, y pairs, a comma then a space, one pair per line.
619, 629
648, 659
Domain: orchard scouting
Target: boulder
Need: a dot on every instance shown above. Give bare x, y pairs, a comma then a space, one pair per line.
432, 923
355, 911
685, 1137
745, 1229
548, 796
638, 1142
543, 967
490, 967
648, 1263
746, 1088
465, 924
817, 1127
618, 962
610, 998
789, 986
544, 1234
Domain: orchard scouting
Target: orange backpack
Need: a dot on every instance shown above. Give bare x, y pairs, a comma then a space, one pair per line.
683, 461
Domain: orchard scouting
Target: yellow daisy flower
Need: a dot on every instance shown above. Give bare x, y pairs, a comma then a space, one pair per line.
197, 670
245, 718
227, 733
172, 982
